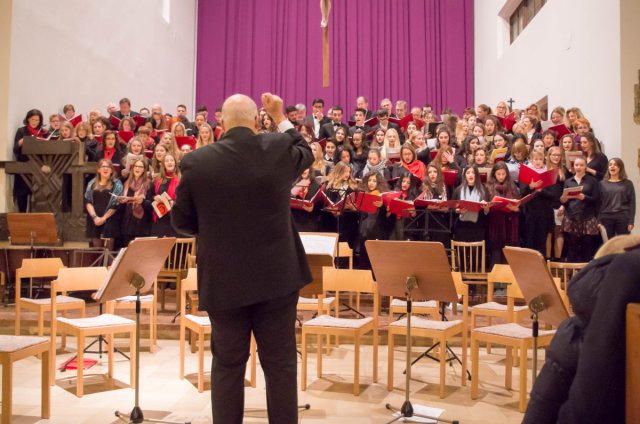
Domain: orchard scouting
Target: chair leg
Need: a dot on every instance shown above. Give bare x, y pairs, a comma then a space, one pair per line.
110, 349
303, 371
181, 368
356, 366
319, 355
17, 329
7, 387
45, 409
80, 361
489, 344
508, 368
523, 378
443, 365
375, 355
475, 366
463, 374
390, 352
201, 361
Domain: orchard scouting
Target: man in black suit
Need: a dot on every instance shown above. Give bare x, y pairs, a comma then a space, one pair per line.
359, 115
383, 123
317, 119
328, 130
125, 110
234, 196
363, 103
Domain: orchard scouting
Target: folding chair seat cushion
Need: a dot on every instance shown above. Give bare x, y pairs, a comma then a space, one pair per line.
425, 324
512, 330
495, 306
329, 321
104, 320
47, 300
202, 321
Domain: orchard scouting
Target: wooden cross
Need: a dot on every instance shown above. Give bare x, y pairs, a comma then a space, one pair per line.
325, 9
511, 102
43, 173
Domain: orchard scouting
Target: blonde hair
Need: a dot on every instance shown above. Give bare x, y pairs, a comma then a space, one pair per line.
200, 142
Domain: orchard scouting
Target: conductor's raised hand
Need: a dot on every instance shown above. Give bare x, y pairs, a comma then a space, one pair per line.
272, 104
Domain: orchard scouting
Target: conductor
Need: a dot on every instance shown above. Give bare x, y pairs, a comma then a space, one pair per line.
234, 196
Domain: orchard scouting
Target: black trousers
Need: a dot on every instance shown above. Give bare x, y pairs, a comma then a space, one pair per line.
615, 225
273, 325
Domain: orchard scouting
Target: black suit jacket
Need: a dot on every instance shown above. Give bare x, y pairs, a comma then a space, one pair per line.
234, 196
119, 114
327, 130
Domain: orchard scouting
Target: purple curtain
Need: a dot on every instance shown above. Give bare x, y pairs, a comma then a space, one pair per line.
420, 51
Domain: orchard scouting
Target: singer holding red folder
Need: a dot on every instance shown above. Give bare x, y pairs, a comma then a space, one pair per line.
250, 265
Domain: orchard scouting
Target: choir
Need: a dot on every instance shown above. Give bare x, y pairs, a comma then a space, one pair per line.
379, 176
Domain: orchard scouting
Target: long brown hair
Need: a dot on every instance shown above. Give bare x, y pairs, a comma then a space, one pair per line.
113, 173
622, 174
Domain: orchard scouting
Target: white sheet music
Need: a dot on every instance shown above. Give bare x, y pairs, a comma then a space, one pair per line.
319, 245
112, 269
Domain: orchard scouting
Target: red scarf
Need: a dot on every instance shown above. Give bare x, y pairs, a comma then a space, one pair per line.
35, 131
416, 167
109, 152
171, 190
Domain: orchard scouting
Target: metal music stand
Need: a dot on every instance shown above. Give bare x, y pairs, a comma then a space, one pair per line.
411, 269
133, 272
32, 229
539, 290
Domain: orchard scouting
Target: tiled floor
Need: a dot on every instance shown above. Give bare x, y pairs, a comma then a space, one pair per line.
165, 396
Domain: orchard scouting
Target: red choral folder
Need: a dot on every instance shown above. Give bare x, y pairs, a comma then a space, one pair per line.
433, 153
561, 130
189, 139
398, 207
98, 139
528, 174
388, 197
405, 121
73, 121
139, 120
323, 143
507, 122
364, 202
500, 203
450, 177
115, 122
297, 203
148, 153
484, 174
126, 135
572, 192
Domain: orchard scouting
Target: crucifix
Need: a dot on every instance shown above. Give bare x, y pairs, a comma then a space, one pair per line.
325, 9
511, 102
44, 172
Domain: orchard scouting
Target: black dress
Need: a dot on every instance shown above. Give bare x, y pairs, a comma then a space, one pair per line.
160, 227
131, 226
109, 229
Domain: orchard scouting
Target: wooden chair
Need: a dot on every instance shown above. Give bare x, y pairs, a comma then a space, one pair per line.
147, 302
175, 268
79, 279
442, 331
42, 268
201, 325
358, 281
345, 252
565, 271
512, 336
468, 258
15, 348
501, 273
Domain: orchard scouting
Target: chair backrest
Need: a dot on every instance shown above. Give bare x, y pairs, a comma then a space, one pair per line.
462, 290
190, 283
39, 267
468, 257
353, 280
179, 255
191, 261
565, 270
78, 279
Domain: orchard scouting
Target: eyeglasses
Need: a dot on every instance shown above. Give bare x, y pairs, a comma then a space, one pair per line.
104, 167
138, 166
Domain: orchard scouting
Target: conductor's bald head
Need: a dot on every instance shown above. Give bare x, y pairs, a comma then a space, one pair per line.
239, 111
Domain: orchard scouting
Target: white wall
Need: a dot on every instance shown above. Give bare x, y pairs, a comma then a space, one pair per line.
92, 52
570, 51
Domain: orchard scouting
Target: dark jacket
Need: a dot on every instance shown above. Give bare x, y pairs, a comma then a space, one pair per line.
583, 379
234, 196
